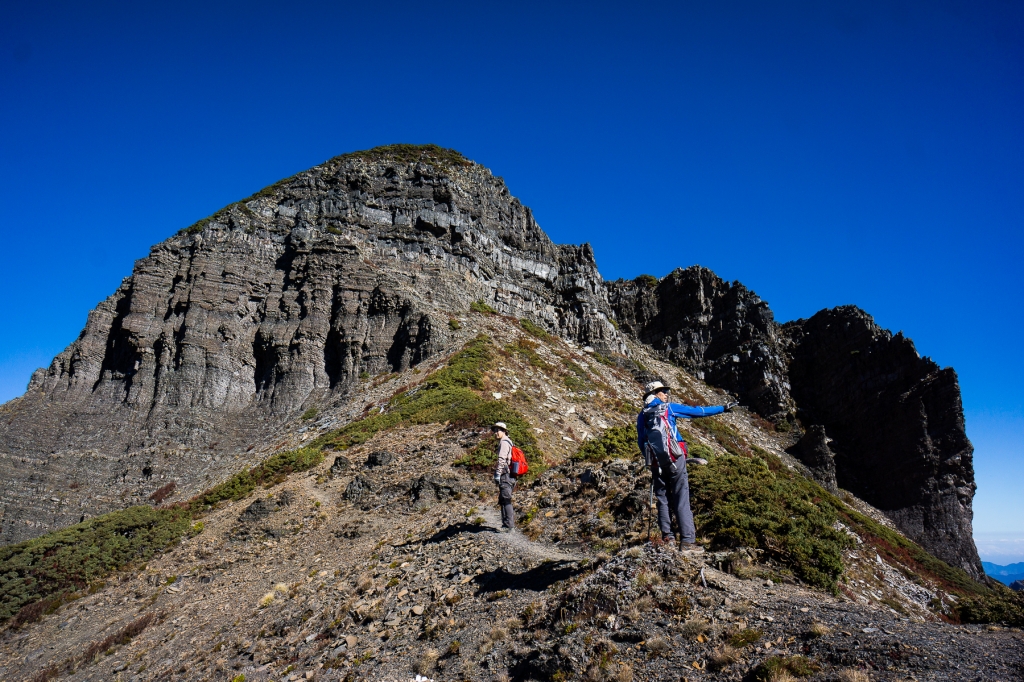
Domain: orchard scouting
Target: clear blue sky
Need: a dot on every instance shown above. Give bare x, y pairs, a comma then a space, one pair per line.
821, 153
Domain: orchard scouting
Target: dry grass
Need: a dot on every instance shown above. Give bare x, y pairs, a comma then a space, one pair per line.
723, 656
266, 600
658, 646
819, 630
624, 673
782, 676
694, 627
740, 608
425, 665
853, 675
363, 583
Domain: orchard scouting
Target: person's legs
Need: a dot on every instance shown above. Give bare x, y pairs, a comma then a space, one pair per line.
508, 519
679, 501
661, 497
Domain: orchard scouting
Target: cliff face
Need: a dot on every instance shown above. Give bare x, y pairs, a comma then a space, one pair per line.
723, 333
350, 269
896, 424
891, 420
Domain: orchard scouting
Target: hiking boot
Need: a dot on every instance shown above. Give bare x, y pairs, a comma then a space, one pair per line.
668, 537
690, 548
696, 460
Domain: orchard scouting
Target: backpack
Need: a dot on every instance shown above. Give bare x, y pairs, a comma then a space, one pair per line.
518, 465
662, 446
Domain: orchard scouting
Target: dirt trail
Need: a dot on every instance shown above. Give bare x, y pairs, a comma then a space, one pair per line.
520, 543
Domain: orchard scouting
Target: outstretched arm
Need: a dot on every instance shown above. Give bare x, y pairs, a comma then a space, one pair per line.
678, 410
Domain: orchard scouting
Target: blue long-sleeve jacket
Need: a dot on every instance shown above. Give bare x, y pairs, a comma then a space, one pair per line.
675, 410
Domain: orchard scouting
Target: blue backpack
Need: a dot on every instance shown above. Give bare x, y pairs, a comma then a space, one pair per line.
662, 448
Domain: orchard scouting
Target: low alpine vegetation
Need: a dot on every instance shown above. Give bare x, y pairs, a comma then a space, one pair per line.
65, 561
618, 442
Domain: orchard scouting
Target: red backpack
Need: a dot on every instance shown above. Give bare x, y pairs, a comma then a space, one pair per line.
518, 465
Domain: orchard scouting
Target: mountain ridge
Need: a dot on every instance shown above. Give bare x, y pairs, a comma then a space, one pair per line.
354, 268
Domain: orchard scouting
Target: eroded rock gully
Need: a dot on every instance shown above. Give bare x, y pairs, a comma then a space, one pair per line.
202, 360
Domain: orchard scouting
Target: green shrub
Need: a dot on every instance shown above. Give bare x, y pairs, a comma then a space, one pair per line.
527, 350
454, 324
741, 502
744, 637
448, 395
618, 442
648, 281
311, 413
272, 470
774, 668
700, 450
411, 153
481, 307
534, 330
69, 559
577, 379
724, 434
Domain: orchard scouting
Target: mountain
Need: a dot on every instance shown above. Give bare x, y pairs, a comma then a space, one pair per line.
1004, 574
300, 298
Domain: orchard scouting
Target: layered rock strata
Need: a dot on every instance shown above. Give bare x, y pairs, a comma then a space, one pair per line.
355, 268
351, 269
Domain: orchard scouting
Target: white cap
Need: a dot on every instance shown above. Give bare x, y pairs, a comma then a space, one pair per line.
500, 425
654, 387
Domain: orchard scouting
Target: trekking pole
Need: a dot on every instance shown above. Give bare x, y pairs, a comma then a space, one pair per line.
650, 505
650, 502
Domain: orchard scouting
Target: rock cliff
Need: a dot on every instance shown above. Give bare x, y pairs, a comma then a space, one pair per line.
351, 269
880, 420
300, 295
896, 424
723, 333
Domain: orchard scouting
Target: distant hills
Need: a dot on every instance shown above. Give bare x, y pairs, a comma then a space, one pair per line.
1004, 574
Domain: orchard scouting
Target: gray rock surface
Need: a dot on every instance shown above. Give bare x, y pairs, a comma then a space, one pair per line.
896, 423
812, 449
723, 333
231, 328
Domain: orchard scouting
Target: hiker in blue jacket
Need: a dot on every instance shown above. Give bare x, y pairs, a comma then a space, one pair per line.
670, 484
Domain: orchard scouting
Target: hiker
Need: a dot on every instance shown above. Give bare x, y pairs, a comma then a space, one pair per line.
503, 477
659, 440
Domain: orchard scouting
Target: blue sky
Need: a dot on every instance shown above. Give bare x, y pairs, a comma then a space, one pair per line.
821, 153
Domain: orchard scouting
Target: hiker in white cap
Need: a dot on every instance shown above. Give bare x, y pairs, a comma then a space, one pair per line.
663, 447
503, 477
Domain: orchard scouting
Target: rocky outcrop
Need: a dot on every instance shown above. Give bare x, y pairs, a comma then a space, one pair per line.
812, 449
723, 333
896, 424
231, 327
894, 420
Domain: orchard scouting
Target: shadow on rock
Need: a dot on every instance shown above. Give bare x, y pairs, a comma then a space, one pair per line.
536, 579
456, 529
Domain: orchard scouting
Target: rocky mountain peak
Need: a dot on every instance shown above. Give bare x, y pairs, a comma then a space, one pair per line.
303, 295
